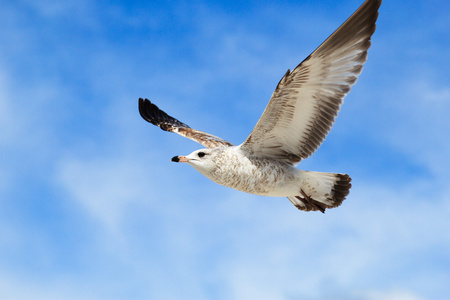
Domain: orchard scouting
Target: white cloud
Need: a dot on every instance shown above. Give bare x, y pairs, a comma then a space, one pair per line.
424, 135
82, 12
394, 294
13, 288
6, 111
105, 187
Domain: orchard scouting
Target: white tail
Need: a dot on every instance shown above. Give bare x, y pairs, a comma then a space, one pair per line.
321, 190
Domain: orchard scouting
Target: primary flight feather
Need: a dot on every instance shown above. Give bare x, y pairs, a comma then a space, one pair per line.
294, 124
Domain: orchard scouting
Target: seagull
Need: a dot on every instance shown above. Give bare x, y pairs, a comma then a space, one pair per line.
294, 124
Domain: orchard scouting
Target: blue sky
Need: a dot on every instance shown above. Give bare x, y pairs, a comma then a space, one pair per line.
92, 208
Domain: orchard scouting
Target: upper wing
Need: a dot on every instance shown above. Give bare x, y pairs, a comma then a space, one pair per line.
151, 113
306, 101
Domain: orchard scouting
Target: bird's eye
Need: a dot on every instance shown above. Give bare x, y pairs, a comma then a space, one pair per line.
201, 154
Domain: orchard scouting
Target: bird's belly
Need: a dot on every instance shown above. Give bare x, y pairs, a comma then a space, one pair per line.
276, 180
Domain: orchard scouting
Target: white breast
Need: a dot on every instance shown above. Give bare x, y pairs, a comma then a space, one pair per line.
255, 175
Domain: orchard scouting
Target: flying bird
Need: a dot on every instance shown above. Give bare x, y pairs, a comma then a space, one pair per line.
294, 124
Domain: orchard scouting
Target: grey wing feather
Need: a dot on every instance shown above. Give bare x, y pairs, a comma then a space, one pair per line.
151, 113
306, 101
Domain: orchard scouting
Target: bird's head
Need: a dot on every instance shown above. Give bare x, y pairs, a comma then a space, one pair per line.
204, 160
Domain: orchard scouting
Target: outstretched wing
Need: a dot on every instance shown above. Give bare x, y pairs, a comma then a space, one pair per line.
307, 100
151, 113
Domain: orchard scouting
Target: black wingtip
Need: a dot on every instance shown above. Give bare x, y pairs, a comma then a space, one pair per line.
145, 108
141, 108
152, 114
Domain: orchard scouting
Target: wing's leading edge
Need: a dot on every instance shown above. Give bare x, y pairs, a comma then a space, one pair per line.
152, 114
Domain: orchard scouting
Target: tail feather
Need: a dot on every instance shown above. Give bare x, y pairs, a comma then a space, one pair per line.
320, 191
